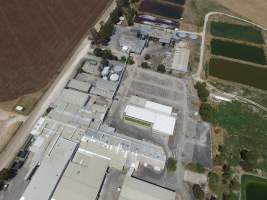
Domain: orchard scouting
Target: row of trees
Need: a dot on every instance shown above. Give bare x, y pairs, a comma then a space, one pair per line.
5, 175
107, 29
105, 54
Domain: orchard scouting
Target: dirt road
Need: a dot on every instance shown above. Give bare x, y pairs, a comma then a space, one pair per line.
43, 104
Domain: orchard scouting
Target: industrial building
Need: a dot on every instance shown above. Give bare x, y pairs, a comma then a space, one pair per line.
79, 85
82, 179
122, 151
181, 58
133, 189
50, 171
158, 117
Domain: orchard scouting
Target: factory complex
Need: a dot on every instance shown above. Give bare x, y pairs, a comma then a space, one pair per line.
73, 148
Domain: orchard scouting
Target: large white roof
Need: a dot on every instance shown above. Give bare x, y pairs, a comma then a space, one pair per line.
181, 59
158, 107
162, 122
140, 113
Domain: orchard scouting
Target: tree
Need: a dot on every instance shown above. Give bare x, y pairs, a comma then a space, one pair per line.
161, 68
213, 180
130, 16
147, 57
123, 59
145, 65
4, 174
250, 159
202, 92
130, 60
1, 185
123, 3
198, 192
205, 111
98, 52
171, 164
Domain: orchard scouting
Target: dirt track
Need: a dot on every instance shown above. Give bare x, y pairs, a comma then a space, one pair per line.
36, 37
254, 10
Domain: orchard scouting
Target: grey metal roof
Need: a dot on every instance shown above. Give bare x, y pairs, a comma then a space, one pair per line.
48, 174
105, 84
82, 178
133, 189
121, 145
74, 97
79, 85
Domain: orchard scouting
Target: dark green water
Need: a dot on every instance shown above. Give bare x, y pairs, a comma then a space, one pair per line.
238, 51
161, 9
240, 73
256, 191
237, 32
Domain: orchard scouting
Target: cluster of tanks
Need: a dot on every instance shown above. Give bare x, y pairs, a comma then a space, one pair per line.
112, 72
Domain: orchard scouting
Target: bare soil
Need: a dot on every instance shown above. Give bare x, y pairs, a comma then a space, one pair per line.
253, 10
36, 37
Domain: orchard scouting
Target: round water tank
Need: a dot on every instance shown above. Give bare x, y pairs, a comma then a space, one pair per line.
105, 71
114, 77
182, 34
117, 68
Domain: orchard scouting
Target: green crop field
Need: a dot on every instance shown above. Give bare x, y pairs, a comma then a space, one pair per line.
245, 130
236, 32
238, 51
253, 188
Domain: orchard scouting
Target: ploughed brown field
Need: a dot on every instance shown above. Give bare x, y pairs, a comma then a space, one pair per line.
36, 37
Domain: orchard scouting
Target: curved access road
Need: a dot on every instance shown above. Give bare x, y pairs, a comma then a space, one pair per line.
197, 76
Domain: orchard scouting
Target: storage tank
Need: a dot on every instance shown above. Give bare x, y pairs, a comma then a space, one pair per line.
105, 71
182, 34
114, 77
117, 68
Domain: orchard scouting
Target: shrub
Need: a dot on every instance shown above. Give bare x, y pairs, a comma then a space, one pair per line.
161, 68
195, 167
198, 192
213, 180
147, 57
123, 58
205, 111
171, 164
130, 60
145, 65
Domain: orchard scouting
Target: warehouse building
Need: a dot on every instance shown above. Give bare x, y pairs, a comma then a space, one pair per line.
181, 58
133, 189
82, 179
79, 85
50, 171
158, 117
